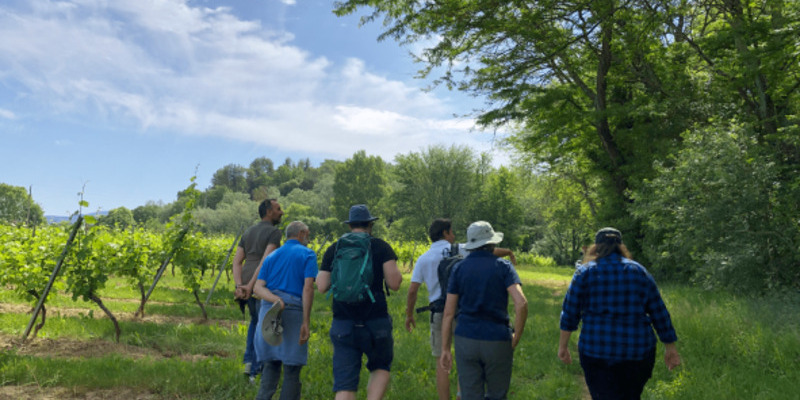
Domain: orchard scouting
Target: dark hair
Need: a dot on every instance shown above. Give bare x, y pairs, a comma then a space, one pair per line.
360, 224
438, 228
265, 206
487, 247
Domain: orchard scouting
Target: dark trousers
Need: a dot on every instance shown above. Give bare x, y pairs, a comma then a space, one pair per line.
272, 374
620, 380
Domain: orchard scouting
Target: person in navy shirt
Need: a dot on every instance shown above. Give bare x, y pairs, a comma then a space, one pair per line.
619, 304
479, 286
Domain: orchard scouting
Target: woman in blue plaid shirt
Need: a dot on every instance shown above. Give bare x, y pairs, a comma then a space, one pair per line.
619, 304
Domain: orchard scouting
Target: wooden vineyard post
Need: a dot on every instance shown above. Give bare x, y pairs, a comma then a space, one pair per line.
52, 277
161, 269
224, 264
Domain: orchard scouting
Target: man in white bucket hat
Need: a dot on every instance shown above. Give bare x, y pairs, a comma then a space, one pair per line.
484, 341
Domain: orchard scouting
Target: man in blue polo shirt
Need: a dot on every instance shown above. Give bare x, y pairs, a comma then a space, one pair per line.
286, 278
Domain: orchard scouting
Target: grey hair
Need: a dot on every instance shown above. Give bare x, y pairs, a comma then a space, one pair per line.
294, 228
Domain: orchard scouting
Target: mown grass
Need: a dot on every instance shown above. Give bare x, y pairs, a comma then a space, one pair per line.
732, 347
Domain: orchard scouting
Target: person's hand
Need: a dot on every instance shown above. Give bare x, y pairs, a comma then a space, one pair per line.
515, 340
283, 305
564, 355
240, 292
671, 357
304, 334
446, 360
513, 259
410, 323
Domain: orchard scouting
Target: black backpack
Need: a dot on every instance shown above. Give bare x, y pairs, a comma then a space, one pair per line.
443, 270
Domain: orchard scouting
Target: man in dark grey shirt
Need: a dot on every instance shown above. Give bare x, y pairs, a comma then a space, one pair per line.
257, 242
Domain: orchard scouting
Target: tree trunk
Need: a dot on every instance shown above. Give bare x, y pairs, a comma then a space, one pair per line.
200, 303
601, 104
141, 303
108, 312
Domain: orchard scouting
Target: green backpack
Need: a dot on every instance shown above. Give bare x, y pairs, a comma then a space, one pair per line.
351, 270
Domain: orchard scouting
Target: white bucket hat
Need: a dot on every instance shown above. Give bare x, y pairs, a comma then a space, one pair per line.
480, 233
271, 326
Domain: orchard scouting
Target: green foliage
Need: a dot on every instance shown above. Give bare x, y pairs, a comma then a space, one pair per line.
120, 217
438, 182
18, 207
231, 213
27, 257
359, 180
148, 212
87, 265
498, 203
231, 176
717, 213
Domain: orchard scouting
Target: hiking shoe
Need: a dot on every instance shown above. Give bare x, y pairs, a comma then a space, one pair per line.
271, 326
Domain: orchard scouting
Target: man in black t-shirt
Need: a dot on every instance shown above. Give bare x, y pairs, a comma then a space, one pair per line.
364, 327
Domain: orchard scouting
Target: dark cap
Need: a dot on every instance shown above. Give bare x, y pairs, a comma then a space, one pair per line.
360, 213
608, 235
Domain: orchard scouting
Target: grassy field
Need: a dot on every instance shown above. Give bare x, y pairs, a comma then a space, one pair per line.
732, 347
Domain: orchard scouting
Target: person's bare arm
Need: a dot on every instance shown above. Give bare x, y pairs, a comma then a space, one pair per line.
504, 252
520, 312
260, 290
238, 264
563, 347
323, 281
392, 275
308, 302
446, 360
411, 303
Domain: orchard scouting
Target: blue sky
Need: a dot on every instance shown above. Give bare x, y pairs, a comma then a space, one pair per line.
126, 98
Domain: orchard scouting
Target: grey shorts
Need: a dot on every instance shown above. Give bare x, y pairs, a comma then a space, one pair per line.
436, 333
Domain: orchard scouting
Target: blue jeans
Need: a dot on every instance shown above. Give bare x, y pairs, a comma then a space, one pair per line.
253, 305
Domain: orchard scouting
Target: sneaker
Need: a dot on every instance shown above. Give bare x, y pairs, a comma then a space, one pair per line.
252, 380
247, 369
271, 326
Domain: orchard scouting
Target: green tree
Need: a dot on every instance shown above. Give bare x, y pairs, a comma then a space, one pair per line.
120, 217
17, 206
716, 214
436, 183
213, 195
231, 176
147, 212
499, 204
359, 180
259, 174
232, 212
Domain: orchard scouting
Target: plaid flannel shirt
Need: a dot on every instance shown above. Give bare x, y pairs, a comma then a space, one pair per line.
619, 304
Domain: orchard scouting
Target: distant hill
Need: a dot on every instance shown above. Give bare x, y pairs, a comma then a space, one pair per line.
54, 219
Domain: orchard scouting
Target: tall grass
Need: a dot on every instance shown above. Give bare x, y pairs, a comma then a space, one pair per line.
732, 347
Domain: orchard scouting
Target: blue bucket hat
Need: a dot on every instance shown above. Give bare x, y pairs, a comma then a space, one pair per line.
360, 213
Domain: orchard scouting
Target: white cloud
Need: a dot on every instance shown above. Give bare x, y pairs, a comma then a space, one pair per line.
170, 66
7, 114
